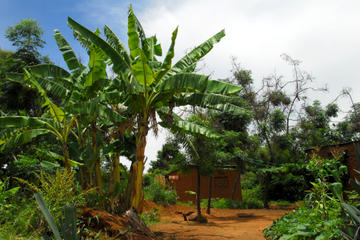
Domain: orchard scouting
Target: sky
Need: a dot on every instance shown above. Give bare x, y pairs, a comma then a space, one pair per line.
323, 34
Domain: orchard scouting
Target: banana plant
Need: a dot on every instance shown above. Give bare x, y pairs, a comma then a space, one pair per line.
22, 129
148, 87
82, 90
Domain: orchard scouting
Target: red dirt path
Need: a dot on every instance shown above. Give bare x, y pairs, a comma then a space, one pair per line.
222, 223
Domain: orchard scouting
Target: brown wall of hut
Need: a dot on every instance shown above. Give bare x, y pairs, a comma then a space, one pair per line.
332, 151
222, 185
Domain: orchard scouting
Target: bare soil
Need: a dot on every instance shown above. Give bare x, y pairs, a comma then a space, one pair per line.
222, 223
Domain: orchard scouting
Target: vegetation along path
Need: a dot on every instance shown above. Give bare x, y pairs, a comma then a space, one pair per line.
222, 224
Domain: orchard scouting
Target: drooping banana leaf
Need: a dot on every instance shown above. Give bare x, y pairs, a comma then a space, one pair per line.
191, 82
95, 110
22, 122
206, 99
21, 137
175, 123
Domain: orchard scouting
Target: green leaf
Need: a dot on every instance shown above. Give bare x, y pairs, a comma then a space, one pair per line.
190, 82
97, 65
337, 189
195, 55
214, 101
49, 70
52, 79
142, 71
68, 54
115, 42
133, 37
353, 212
21, 122
95, 110
21, 137
119, 63
166, 65
49, 218
68, 225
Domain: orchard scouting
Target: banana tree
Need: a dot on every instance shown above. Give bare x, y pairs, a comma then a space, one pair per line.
82, 89
150, 88
23, 129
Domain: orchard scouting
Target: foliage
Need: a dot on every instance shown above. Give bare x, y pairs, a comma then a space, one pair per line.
246, 203
306, 223
26, 35
151, 217
57, 191
320, 217
287, 182
6, 195
68, 226
160, 194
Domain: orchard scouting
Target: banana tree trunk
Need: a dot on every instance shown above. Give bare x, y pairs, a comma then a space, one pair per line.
115, 175
66, 157
138, 168
98, 176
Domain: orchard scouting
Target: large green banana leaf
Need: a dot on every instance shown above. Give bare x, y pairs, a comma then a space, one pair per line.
190, 82
115, 42
95, 109
205, 99
22, 122
178, 124
69, 56
166, 65
21, 137
195, 55
119, 63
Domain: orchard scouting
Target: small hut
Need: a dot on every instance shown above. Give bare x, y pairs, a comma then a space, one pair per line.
223, 182
331, 151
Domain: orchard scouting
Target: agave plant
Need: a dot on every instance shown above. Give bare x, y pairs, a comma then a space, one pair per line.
148, 87
68, 227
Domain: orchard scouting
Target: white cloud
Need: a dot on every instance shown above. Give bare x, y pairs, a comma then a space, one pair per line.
324, 34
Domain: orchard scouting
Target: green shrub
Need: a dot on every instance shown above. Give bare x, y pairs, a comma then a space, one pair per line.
233, 204
57, 191
151, 217
160, 194
306, 223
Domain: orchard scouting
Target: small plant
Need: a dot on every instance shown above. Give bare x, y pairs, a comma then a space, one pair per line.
305, 223
67, 224
151, 217
5, 195
57, 191
160, 194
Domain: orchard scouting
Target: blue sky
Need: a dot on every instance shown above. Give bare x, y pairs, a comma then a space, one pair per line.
53, 14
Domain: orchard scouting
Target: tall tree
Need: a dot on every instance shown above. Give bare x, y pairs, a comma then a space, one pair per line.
151, 87
26, 35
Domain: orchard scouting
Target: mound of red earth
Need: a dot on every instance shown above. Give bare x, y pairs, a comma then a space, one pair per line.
127, 226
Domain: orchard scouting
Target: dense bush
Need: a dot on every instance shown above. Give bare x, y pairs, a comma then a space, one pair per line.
306, 223
57, 190
287, 182
320, 218
160, 194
